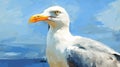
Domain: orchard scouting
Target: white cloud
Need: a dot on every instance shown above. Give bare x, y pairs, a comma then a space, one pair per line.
111, 16
12, 54
8, 55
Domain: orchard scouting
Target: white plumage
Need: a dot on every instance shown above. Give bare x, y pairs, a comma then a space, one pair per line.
66, 50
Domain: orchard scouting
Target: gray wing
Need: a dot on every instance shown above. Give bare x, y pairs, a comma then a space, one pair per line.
84, 56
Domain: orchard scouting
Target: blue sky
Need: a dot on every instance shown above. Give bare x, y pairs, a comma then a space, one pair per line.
96, 19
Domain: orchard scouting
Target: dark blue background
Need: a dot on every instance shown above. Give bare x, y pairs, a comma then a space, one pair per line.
23, 63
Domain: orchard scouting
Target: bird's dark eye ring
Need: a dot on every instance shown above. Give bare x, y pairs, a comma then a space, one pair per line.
57, 12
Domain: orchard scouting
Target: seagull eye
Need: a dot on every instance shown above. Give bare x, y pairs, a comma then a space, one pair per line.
57, 12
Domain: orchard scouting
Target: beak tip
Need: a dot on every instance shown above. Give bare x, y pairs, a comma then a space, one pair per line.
29, 22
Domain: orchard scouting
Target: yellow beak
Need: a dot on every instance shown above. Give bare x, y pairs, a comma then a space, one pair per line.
37, 17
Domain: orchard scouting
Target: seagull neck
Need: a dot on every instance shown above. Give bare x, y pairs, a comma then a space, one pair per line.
62, 33
61, 30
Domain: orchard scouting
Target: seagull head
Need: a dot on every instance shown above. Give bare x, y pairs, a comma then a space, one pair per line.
55, 16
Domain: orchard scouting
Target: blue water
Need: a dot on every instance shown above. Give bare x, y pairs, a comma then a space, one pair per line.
22, 55
23, 63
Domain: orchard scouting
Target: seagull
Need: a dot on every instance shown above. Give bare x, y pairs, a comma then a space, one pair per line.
65, 50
